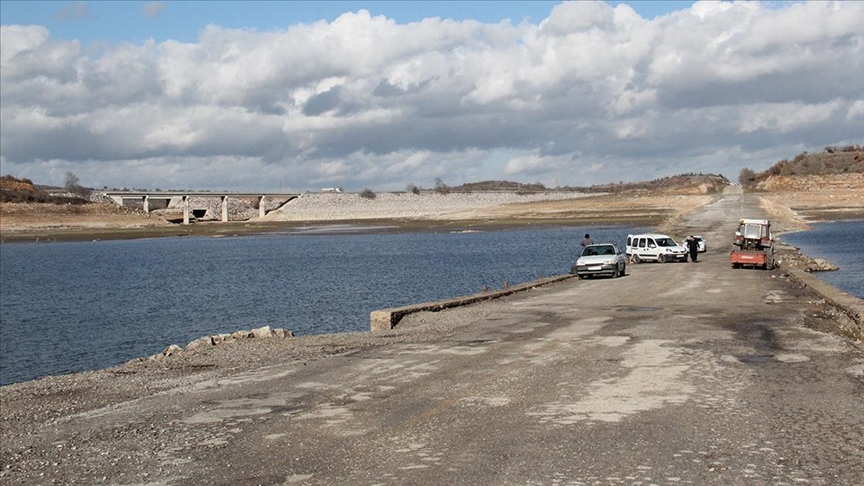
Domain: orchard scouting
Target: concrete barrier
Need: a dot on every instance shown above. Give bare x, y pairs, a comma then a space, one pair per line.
384, 319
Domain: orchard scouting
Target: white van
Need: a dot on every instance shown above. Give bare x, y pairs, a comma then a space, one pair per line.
655, 248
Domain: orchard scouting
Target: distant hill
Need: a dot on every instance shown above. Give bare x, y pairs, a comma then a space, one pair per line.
679, 184
23, 190
832, 161
495, 186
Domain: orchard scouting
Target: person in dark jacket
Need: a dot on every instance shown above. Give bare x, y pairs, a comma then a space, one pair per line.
693, 246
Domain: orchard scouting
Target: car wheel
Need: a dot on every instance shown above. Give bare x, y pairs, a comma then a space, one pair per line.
661, 258
616, 273
583, 277
624, 270
636, 259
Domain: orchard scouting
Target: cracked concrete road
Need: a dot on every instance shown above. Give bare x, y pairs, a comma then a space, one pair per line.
688, 373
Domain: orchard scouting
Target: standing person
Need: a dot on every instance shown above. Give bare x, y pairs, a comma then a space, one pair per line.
587, 240
693, 246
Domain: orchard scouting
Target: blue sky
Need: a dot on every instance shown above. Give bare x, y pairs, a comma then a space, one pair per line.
243, 95
183, 20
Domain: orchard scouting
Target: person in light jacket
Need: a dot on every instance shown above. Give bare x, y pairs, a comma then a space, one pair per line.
587, 241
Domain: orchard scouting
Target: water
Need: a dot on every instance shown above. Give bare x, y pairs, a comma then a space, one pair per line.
841, 243
77, 306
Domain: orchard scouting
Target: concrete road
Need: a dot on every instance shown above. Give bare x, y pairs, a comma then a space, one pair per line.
678, 373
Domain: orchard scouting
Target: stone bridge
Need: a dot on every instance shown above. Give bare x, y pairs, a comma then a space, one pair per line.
166, 198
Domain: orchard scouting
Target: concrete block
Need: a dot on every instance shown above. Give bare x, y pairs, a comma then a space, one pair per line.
381, 320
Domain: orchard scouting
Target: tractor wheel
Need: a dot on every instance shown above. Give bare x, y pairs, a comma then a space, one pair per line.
736, 265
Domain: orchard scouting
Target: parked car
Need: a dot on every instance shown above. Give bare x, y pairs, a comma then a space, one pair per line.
654, 247
600, 259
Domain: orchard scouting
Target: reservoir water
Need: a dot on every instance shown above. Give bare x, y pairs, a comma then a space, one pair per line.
841, 243
68, 307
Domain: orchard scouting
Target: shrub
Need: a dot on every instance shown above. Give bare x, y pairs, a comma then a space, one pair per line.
367, 194
412, 188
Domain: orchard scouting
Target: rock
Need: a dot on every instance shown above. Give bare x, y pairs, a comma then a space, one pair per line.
203, 341
820, 265
172, 350
282, 333
241, 334
221, 338
261, 332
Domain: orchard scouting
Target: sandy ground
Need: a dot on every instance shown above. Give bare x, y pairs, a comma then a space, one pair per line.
35, 218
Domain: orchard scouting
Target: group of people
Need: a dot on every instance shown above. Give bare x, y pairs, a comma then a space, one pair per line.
692, 245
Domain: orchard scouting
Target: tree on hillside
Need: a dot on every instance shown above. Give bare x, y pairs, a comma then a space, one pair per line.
747, 177
71, 182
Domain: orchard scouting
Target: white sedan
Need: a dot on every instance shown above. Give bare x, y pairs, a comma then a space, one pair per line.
703, 245
600, 259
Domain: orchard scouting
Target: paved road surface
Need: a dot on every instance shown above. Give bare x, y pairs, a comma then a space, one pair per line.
674, 374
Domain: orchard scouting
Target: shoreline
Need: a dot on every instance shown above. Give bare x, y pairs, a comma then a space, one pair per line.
218, 413
301, 228
789, 221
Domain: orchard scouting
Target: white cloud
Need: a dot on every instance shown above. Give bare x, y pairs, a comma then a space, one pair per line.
152, 10
591, 94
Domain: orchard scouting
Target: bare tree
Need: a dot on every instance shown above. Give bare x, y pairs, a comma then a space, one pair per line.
747, 177
71, 182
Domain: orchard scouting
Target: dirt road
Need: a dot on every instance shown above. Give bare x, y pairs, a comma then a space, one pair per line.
677, 373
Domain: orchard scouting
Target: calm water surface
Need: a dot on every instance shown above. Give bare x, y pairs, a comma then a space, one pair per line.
77, 306
841, 243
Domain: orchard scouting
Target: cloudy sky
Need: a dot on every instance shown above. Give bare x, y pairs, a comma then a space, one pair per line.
299, 96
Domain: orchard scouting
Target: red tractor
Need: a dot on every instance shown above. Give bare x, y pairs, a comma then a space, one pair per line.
753, 244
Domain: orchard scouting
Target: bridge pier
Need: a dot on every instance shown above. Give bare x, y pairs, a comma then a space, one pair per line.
224, 209
185, 209
146, 204
261, 206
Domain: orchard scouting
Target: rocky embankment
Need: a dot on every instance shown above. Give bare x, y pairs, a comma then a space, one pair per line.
217, 339
791, 257
353, 206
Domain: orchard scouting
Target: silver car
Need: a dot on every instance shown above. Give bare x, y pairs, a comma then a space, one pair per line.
600, 259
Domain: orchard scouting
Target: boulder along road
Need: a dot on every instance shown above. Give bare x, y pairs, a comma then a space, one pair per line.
676, 373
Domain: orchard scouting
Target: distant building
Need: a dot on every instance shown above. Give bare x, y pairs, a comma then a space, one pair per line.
331, 189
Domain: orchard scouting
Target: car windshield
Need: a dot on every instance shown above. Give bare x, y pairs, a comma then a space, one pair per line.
598, 250
666, 242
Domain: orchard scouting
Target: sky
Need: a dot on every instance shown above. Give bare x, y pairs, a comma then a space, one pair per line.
297, 96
